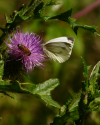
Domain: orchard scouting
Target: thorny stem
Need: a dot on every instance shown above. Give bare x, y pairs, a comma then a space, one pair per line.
86, 10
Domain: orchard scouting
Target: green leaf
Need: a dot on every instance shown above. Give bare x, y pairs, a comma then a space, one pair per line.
67, 117
92, 29
66, 17
7, 19
68, 112
74, 104
95, 72
35, 11
63, 16
43, 91
95, 102
93, 78
38, 12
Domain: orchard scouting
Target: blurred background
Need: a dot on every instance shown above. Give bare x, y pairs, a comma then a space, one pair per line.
29, 110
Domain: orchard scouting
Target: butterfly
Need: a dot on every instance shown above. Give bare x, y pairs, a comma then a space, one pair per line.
59, 49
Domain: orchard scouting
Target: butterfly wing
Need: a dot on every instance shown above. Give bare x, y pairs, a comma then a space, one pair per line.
59, 49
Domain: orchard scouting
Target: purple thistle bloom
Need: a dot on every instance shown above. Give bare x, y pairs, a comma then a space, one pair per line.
28, 48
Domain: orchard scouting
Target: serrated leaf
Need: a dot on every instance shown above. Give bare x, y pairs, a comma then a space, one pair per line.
43, 91
68, 112
92, 29
7, 19
93, 78
63, 16
32, 10
38, 12
23, 14
50, 101
95, 102
66, 17
74, 104
95, 71
67, 117
35, 11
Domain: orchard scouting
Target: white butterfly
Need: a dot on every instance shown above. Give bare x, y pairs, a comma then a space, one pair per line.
59, 49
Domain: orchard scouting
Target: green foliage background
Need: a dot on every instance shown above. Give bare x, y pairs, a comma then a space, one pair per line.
29, 110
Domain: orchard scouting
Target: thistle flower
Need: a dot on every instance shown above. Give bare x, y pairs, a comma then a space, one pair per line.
26, 47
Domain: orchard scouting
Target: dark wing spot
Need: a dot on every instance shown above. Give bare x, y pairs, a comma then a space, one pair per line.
70, 38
